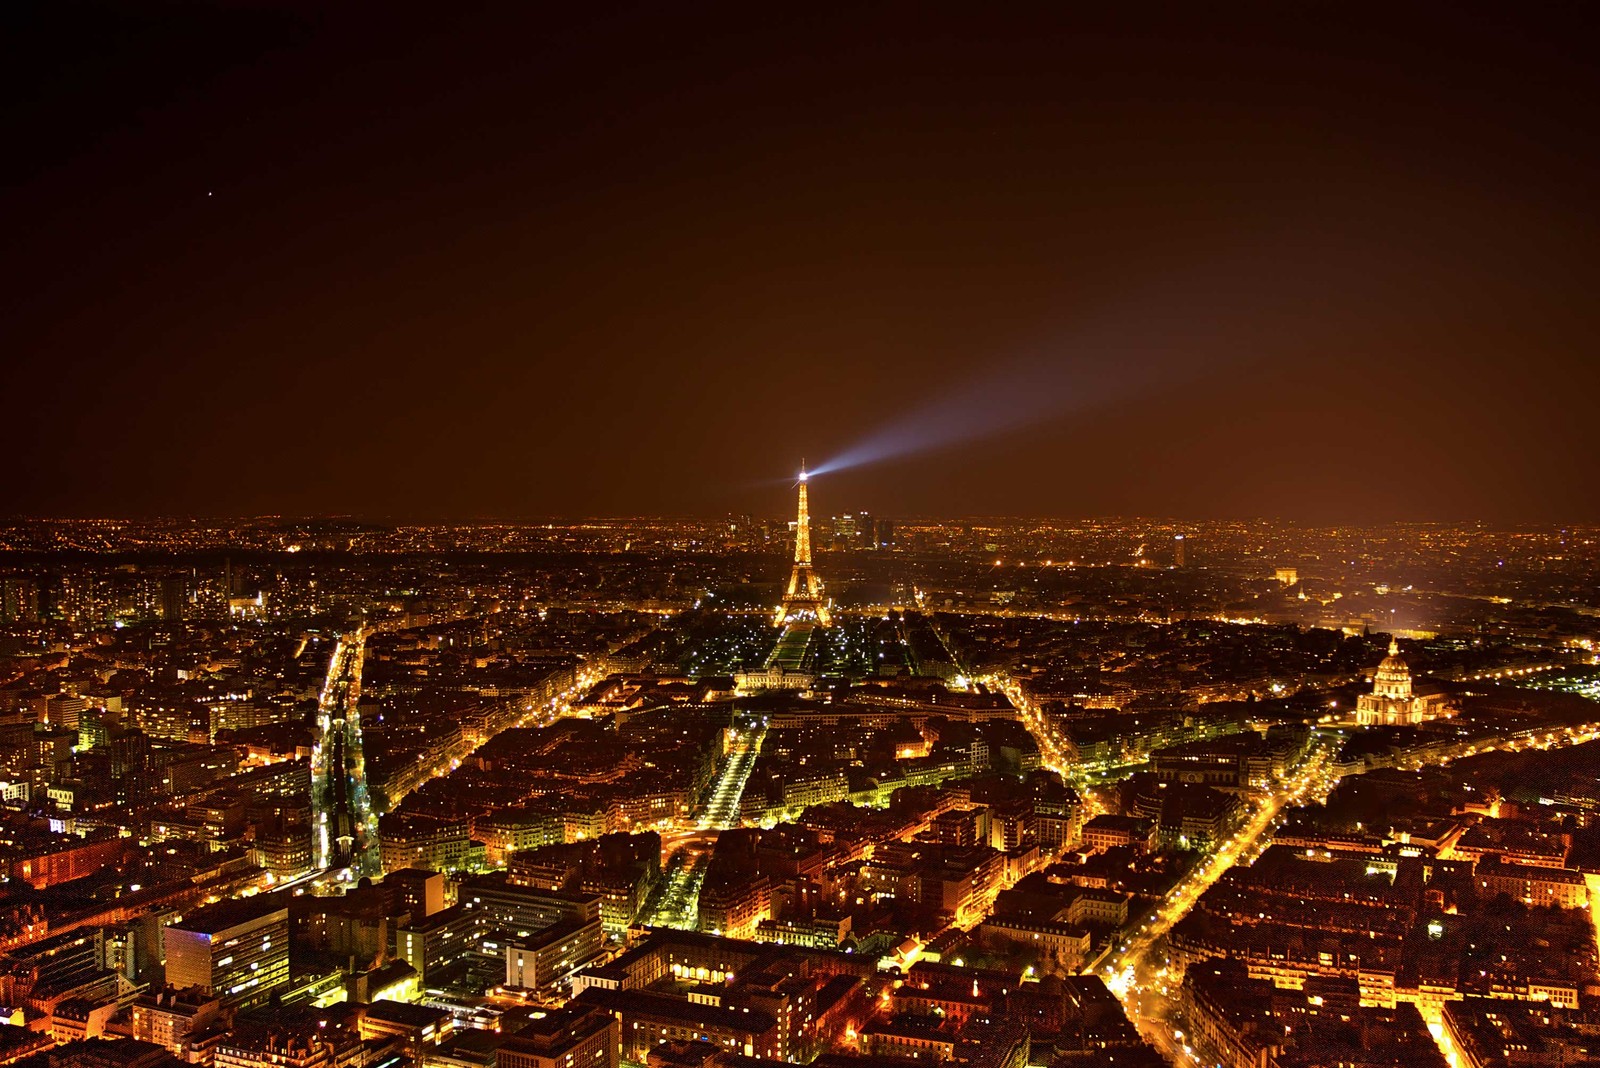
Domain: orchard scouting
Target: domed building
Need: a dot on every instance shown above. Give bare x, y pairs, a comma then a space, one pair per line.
1393, 699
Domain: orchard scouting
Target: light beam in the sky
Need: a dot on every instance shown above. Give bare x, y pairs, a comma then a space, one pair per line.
1055, 381
1172, 336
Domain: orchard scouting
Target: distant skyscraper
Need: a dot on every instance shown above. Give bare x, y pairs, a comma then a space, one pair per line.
844, 531
19, 601
174, 597
1178, 557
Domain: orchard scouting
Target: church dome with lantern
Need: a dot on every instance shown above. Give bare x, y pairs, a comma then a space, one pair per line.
1393, 679
1393, 700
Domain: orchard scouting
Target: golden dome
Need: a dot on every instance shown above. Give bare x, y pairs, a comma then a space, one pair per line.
1393, 678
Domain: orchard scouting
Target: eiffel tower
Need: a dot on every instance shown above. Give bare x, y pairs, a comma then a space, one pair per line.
803, 600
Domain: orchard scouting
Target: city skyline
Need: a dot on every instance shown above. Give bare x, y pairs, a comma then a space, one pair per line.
769, 505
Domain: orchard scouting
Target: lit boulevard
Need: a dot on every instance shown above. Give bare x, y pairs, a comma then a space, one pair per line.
1133, 970
727, 788
344, 836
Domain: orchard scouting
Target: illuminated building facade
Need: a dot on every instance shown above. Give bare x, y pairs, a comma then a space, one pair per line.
564, 1038
238, 950
1393, 700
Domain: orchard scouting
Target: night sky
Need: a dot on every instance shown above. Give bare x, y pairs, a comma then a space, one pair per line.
455, 261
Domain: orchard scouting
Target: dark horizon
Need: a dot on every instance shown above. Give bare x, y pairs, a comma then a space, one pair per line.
818, 516
1322, 262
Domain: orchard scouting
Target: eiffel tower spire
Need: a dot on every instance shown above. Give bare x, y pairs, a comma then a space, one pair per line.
803, 599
